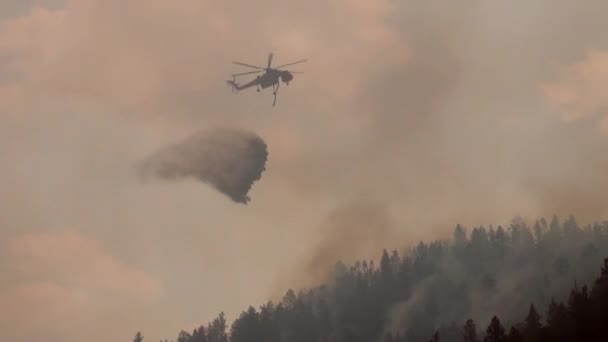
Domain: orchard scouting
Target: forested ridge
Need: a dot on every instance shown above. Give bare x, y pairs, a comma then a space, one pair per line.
544, 282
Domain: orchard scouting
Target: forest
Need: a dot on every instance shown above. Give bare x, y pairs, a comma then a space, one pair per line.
542, 282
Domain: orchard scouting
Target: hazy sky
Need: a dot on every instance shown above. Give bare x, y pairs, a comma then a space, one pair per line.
411, 116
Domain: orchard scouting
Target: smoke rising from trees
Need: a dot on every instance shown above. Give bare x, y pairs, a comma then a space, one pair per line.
228, 159
508, 279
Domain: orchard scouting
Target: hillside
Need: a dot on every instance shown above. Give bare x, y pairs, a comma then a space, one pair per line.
493, 277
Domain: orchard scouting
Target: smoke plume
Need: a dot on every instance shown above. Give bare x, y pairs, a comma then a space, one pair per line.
354, 231
228, 159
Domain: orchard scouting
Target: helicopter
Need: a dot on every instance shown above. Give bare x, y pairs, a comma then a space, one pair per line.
270, 77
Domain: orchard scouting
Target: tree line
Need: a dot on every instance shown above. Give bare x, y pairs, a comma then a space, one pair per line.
437, 291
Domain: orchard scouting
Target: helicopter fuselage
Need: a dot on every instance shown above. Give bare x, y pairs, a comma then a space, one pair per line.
270, 78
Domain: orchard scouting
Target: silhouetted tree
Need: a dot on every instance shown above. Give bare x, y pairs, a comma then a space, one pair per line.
495, 331
514, 336
395, 262
559, 321
184, 336
199, 335
386, 269
599, 296
469, 332
579, 307
246, 328
538, 231
138, 337
216, 330
533, 324
460, 235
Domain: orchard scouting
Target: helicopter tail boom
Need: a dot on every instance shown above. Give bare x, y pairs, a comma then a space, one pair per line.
235, 86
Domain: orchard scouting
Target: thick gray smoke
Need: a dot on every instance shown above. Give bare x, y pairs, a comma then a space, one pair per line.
228, 159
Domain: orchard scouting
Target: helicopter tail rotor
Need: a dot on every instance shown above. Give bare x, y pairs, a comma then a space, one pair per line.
233, 85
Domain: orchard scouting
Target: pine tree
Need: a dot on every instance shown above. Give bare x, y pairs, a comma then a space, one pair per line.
395, 262
199, 335
580, 310
600, 288
533, 324
514, 336
246, 327
495, 331
460, 235
558, 320
216, 330
599, 295
469, 332
289, 299
538, 232
555, 227
386, 268
184, 336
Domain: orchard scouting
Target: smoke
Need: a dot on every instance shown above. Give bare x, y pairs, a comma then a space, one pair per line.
355, 231
228, 159
462, 133
443, 117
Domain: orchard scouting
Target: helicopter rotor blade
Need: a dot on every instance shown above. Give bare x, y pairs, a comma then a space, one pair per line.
247, 73
249, 65
269, 59
284, 65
